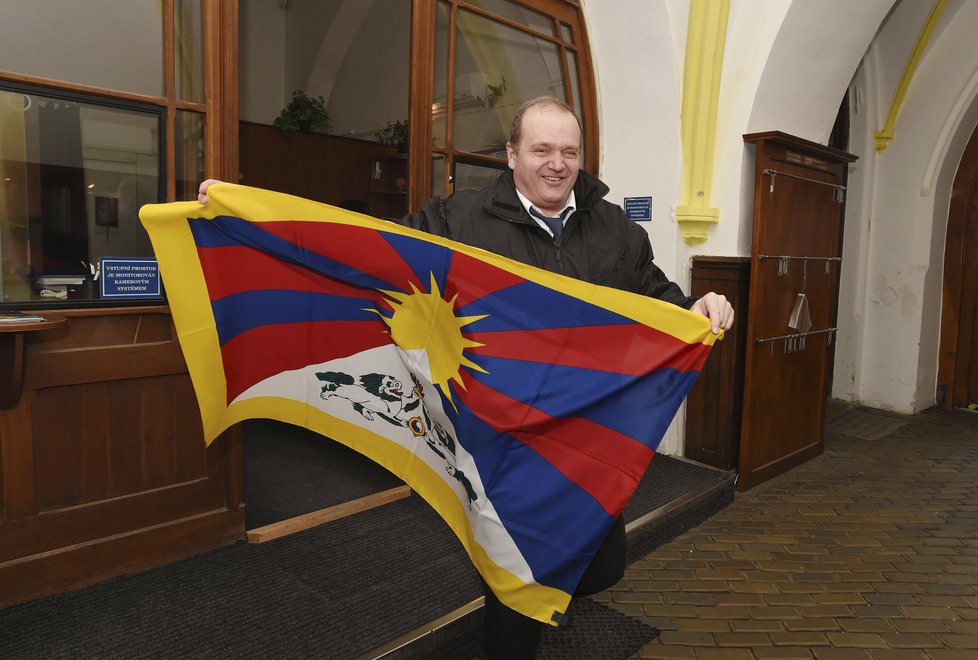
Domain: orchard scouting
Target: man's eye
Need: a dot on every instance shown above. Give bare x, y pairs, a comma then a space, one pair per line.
570, 154
539, 152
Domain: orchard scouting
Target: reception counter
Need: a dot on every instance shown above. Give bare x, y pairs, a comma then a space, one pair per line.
103, 468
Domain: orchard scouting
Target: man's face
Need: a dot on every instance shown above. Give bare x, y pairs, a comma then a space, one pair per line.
546, 161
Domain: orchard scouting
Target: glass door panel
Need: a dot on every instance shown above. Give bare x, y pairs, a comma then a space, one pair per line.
498, 67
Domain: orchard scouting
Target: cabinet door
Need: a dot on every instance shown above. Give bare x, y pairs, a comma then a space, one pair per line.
795, 259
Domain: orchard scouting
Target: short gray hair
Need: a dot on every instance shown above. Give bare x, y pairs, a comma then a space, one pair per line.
544, 103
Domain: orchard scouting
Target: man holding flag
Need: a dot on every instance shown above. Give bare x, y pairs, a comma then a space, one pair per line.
546, 213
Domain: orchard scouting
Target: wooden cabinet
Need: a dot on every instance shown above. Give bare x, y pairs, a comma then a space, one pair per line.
796, 257
714, 404
103, 468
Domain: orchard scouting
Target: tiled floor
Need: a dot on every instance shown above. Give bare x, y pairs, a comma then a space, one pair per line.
868, 551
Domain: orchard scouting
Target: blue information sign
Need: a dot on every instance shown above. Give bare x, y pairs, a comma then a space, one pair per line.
129, 277
639, 209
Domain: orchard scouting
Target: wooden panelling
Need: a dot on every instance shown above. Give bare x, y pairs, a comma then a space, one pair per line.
71, 567
326, 168
713, 407
104, 468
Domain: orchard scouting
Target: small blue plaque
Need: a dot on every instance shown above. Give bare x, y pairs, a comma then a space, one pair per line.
639, 209
129, 277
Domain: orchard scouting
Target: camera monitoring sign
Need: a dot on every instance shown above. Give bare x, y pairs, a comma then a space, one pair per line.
129, 277
639, 209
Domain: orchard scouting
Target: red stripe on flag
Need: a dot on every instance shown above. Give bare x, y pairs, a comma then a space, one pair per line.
236, 269
606, 464
479, 279
630, 349
267, 350
359, 248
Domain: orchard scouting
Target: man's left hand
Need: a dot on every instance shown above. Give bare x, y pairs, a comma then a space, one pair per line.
716, 308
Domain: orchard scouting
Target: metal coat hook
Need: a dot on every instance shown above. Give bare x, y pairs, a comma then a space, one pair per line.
838, 192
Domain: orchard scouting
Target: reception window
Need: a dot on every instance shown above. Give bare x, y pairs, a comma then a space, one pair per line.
103, 108
73, 173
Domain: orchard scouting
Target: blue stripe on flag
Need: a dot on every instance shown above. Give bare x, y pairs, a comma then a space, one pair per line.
531, 306
423, 257
544, 512
244, 311
224, 231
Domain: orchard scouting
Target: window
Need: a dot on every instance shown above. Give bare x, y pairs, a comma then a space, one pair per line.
74, 174
489, 57
103, 109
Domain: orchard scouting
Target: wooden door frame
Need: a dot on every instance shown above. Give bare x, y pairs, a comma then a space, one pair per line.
962, 196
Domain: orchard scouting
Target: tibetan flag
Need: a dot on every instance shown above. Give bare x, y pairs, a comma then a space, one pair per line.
524, 406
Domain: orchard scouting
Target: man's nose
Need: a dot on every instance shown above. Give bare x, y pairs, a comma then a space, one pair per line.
557, 161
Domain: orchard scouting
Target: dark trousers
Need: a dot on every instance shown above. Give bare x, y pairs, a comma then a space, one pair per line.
511, 636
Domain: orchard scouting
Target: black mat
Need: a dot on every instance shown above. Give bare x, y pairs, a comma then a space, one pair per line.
336, 591
596, 631
289, 471
666, 480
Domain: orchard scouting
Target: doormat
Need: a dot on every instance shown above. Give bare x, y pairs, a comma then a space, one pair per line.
862, 424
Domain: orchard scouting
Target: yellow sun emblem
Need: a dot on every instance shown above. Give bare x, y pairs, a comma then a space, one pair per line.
426, 321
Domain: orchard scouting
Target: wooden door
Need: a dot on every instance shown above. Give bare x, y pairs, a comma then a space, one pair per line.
958, 367
796, 252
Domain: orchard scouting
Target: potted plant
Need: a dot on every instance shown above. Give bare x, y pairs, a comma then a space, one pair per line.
394, 134
303, 113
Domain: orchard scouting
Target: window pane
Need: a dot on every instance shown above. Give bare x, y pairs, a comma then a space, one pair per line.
497, 68
189, 141
440, 78
66, 40
188, 50
471, 176
357, 56
517, 14
566, 33
74, 176
574, 81
438, 187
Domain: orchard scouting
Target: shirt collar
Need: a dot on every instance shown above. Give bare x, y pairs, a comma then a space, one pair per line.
569, 210
571, 204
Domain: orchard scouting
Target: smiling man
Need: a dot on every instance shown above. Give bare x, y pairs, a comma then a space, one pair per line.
547, 213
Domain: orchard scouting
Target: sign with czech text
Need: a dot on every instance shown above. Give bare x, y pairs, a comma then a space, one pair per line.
129, 277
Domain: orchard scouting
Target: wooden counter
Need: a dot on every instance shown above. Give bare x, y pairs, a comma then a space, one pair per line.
103, 468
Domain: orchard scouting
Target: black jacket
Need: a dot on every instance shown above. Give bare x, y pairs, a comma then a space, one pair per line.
599, 244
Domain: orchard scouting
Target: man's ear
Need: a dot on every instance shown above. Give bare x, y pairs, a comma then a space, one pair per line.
511, 155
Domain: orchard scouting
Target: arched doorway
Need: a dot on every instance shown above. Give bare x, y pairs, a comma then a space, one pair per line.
958, 367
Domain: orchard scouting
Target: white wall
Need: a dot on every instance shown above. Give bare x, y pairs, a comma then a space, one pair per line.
786, 67
887, 355
261, 60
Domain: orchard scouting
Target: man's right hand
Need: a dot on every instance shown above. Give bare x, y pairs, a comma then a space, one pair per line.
202, 190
